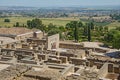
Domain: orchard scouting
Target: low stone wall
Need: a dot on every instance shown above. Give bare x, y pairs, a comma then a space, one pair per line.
70, 46
103, 71
63, 59
67, 55
67, 70
117, 70
42, 56
98, 64
24, 52
28, 61
8, 35
36, 41
112, 68
77, 61
24, 36
36, 77
51, 60
108, 68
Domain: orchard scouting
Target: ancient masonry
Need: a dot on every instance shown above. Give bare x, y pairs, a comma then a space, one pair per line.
28, 54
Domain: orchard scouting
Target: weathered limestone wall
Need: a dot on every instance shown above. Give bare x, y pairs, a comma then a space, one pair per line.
103, 71
67, 55
38, 35
24, 36
24, 52
27, 61
116, 70
63, 59
110, 68
77, 61
25, 46
8, 35
91, 63
12, 45
98, 64
68, 70
36, 41
53, 60
42, 56
113, 68
53, 42
18, 45
70, 46
36, 77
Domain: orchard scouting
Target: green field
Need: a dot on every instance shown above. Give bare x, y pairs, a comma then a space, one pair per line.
46, 21
114, 25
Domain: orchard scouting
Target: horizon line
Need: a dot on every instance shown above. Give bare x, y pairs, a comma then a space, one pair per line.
61, 6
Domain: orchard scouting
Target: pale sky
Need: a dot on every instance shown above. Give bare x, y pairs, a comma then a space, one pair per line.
59, 3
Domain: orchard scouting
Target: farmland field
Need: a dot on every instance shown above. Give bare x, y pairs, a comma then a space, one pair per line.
114, 25
46, 21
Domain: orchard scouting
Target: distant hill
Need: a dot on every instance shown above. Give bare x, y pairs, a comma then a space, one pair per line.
17, 8
61, 8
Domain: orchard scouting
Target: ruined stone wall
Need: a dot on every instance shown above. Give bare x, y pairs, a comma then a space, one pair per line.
36, 77
53, 42
63, 59
24, 36
103, 71
25, 46
8, 35
67, 55
36, 41
98, 64
100, 50
12, 45
18, 45
52, 60
68, 70
117, 70
77, 61
70, 46
23, 52
42, 56
110, 68
113, 68
38, 35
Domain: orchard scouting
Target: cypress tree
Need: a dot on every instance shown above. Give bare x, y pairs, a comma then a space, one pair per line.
76, 33
89, 32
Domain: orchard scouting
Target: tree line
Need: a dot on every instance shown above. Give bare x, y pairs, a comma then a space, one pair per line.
79, 31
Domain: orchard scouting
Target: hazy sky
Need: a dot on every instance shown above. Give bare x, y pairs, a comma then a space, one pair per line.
47, 3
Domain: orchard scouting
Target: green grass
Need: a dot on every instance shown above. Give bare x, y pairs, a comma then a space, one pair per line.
114, 25
13, 20
111, 25
46, 21
55, 21
102, 23
98, 23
